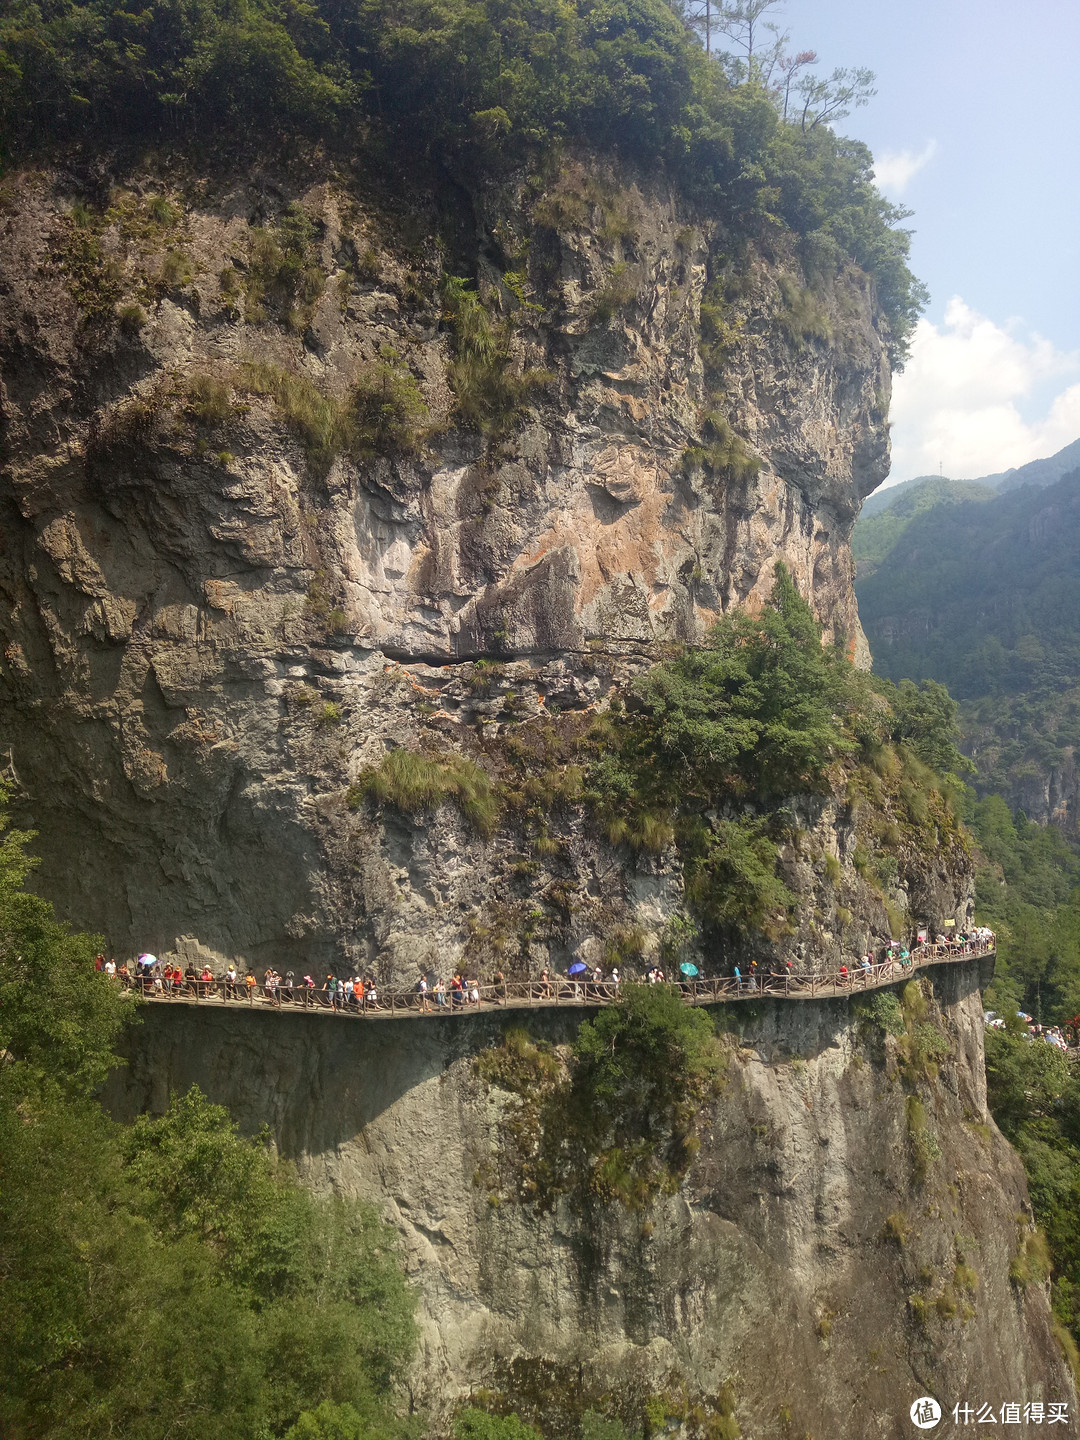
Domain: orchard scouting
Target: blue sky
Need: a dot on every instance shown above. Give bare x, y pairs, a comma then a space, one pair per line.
976, 126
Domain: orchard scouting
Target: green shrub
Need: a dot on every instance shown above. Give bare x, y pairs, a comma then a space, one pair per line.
622, 1123
617, 292
758, 713
208, 400
924, 1145
755, 711
719, 333
131, 318
897, 1228
723, 452
518, 1062
368, 268
731, 878
92, 279
229, 283
283, 276
595, 1426
965, 1278
914, 1003
331, 1422
883, 1009
387, 409
680, 934
383, 414
802, 316
162, 211
492, 396
177, 270
474, 1424
316, 419
414, 783
1068, 1347
1031, 1263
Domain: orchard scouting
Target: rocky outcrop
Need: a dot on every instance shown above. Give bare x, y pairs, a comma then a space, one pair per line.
830, 1257
218, 602
1050, 796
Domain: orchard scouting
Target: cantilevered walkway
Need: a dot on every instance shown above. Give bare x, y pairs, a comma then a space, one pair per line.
568, 992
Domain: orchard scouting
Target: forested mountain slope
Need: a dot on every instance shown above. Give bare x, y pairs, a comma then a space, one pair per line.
876, 533
1036, 472
985, 597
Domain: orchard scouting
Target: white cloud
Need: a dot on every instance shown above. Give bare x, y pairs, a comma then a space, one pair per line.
956, 402
895, 169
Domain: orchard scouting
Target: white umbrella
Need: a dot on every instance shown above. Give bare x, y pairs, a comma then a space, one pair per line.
147, 959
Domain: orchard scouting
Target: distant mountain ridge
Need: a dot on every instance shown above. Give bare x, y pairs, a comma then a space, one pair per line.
1035, 472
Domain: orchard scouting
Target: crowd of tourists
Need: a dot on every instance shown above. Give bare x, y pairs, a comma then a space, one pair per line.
1061, 1037
889, 961
166, 980
431, 993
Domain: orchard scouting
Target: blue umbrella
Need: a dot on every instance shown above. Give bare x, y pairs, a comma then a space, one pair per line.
687, 968
577, 967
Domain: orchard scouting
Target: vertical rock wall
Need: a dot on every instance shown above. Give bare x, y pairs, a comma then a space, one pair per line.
804, 1263
213, 613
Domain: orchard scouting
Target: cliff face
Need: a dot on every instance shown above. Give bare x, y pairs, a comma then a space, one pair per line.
1038, 775
218, 602
831, 1256
1053, 796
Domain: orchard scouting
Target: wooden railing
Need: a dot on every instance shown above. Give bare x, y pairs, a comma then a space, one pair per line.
571, 991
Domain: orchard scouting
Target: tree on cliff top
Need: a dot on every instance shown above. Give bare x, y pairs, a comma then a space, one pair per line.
475, 86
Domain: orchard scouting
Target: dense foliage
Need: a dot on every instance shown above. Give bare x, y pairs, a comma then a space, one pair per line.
620, 1122
475, 85
761, 713
1034, 1095
1029, 892
983, 595
172, 1277
982, 591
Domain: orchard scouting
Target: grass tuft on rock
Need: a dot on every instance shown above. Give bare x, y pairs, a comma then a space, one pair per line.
414, 783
